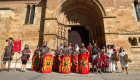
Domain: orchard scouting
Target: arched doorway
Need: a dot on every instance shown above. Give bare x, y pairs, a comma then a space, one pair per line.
83, 13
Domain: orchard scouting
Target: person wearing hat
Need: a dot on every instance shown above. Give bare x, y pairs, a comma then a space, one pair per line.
83, 50
44, 50
37, 51
65, 50
57, 52
90, 50
25, 57
94, 56
7, 55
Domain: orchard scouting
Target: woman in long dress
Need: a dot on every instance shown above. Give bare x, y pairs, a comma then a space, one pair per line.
124, 64
111, 67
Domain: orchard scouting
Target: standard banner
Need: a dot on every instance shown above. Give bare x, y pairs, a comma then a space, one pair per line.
83, 63
47, 63
35, 63
17, 46
66, 64
74, 63
57, 64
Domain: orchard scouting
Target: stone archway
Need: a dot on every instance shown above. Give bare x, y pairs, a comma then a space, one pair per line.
83, 13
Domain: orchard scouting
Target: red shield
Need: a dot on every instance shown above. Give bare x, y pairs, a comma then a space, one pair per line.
57, 63
47, 63
83, 63
35, 63
17, 46
66, 64
74, 63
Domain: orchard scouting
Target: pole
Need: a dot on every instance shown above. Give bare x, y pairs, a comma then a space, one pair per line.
16, 64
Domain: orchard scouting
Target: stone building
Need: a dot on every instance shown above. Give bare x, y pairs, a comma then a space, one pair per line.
76, 21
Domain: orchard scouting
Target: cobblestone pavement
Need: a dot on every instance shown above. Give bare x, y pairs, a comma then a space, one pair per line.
29, 75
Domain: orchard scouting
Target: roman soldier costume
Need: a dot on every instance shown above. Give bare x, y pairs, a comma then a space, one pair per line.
75, 60
44, 50
8, 54
83, 60
57, 61
25, 57
35, 60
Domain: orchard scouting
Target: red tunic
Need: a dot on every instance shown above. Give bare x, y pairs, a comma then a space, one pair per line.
105, 60
99, 62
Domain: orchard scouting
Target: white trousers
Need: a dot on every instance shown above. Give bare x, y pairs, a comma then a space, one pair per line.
112, 65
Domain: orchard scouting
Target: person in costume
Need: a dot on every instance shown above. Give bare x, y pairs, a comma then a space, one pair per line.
116, 54
66, 50
35, 59
94, 56
8, 55
25, 57
104, 49
70, 46
124, 64
61, 46
77, 47
90, 50
74, 55
111, 67
104, 57
37, 51
57, 52
44, 50
99, 63
83, 50
74, 52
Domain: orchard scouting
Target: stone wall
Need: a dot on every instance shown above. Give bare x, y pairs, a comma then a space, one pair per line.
12, 24
120, 23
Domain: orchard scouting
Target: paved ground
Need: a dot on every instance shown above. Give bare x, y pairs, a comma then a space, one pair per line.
29, 75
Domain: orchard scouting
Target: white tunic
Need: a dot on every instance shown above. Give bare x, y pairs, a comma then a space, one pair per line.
111, 62
122, 62
109, 52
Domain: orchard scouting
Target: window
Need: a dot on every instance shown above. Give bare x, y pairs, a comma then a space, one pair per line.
133, 41
30, 14
137, 7
27, 14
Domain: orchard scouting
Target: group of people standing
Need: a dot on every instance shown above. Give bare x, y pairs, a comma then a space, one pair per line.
101, 59
106, 58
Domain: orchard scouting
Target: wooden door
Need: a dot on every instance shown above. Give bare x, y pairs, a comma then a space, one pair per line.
78, 35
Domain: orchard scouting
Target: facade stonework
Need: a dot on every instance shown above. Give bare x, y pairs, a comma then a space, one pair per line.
108, 21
